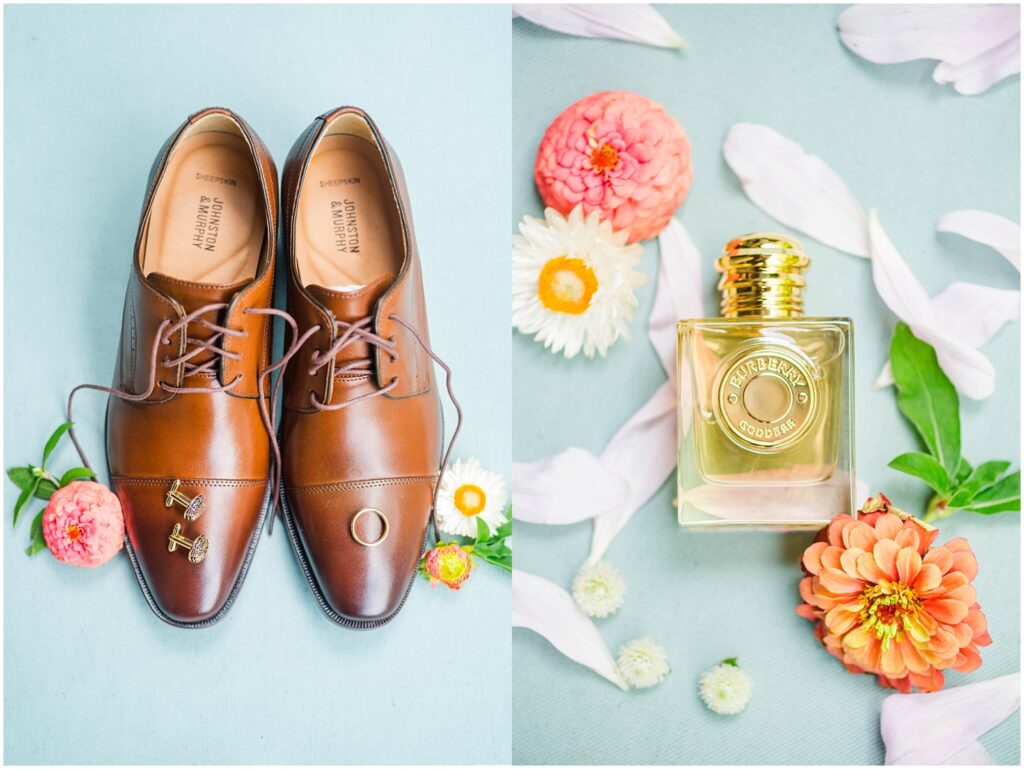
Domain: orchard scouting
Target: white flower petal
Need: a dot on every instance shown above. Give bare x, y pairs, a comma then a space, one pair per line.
956, 33
984, 227
567, 487
795, 187
636, 23
972, 755
643, 451
885, 378
984, 70
933, 728
679, 293
970, 371
896, 283
968, 314
972, 314
544, 608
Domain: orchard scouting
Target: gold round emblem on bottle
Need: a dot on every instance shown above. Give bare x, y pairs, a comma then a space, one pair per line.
766, 398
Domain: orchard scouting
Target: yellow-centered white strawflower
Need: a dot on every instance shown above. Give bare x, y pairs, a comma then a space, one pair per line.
573, 282
469, 492
598, 589
643, 663
725, 688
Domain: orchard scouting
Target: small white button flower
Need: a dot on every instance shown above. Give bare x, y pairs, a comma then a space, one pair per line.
725, 688
643, 663
598, 589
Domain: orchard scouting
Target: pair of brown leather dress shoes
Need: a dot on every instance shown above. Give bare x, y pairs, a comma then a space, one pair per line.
196, 453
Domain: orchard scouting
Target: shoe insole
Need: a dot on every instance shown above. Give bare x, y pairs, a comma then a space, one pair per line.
347, 230
207, 223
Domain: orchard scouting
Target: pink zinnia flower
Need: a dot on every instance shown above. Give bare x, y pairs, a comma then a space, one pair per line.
446, 564
620, 154
83, 524
885, 602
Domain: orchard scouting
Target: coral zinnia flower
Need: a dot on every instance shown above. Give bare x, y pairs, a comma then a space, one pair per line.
620, 154
885, 602
83, 524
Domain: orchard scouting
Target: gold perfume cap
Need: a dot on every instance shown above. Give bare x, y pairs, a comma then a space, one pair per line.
762, 276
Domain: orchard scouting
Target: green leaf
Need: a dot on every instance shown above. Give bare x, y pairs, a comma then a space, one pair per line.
925, 467
36, 546
981, 478
22, 499
999, 497
38, 542
76, 473
964, 471
51, 444
505, 530
926, 397
21, 477
45, 488
502, 562
734, 661
483, 531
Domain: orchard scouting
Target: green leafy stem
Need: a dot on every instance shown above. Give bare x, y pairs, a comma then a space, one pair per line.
492, 548
40, 483
928, 399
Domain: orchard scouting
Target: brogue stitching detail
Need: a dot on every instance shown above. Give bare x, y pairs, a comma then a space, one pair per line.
372, 483
215, 482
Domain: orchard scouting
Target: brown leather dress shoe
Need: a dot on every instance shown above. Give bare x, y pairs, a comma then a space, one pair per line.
361, 428
186, 443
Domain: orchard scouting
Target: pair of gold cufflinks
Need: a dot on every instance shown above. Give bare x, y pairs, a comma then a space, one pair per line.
194, 507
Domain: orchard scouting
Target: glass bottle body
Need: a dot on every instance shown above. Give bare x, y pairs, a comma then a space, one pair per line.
765, 421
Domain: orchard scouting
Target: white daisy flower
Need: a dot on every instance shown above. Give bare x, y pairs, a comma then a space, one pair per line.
643, 663
725, 688
469, 492
573, 282
598, 589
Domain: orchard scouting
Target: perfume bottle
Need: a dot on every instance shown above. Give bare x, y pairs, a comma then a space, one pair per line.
765, 399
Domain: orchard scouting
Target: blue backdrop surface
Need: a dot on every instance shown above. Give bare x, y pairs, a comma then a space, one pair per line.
91, 92
906, 146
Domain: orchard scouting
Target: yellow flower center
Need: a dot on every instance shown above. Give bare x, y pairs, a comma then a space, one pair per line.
566, 284
604, 158
451, 566
470, 500
73, 532
889, 608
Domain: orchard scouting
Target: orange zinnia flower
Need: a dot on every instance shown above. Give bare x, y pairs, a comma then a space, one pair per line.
885, 602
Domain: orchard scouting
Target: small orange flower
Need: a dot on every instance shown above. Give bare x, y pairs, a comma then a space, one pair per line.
885, 602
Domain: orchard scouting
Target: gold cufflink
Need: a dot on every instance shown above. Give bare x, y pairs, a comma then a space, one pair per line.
196, 547
384, 523
194, 506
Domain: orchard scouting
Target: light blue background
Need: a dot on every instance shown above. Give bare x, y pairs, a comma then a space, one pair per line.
910, 148
91, 675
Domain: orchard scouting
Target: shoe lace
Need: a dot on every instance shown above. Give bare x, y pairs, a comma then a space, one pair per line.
346, 334
194, 347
